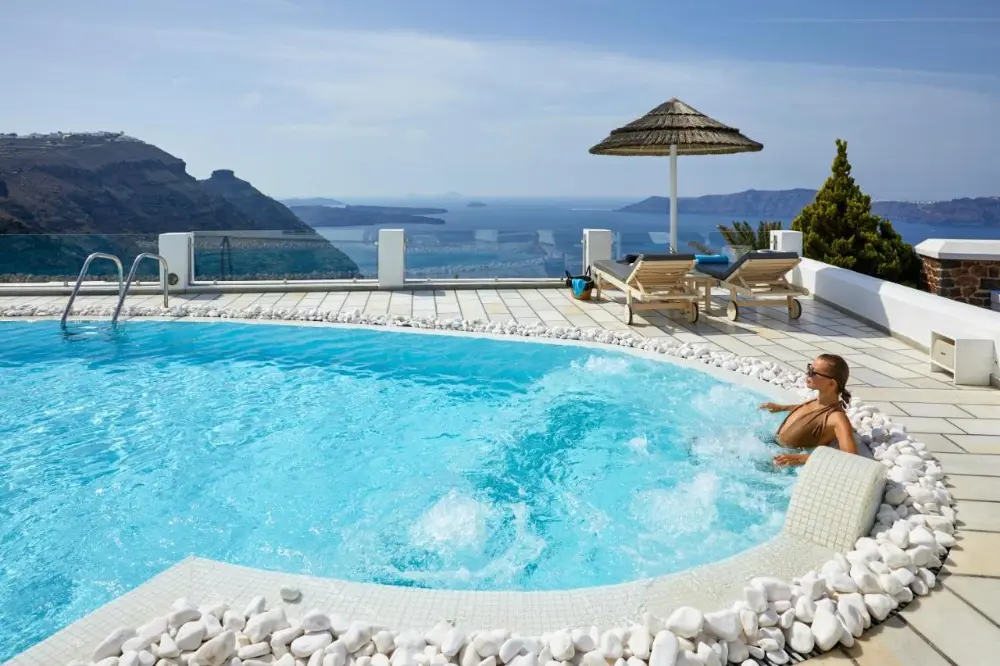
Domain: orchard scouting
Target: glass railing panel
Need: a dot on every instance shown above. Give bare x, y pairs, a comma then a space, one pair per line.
658, 242
485, 254
328, 254
31, 258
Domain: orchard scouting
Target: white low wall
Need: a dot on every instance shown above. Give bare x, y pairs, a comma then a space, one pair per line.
904, 312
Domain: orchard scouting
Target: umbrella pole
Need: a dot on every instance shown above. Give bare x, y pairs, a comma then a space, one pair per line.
673, 197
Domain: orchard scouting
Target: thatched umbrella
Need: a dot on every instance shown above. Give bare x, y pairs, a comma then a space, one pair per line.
674, 128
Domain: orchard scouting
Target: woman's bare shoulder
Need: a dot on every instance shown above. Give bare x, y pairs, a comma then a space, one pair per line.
840, 416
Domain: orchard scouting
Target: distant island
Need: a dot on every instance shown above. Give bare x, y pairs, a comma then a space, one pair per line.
116, 193
365, 216
399, 210
476, 204
312, 201
786, 204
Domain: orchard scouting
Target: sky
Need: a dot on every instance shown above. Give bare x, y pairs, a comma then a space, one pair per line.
372, 98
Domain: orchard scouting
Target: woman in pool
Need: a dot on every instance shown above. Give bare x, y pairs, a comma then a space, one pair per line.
819, 422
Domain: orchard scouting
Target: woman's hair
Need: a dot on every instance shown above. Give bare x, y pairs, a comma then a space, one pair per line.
841, 373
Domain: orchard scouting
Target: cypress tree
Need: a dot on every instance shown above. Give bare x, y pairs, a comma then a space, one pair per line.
838, 228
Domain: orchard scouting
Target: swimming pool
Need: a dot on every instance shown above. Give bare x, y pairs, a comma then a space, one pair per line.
408, 459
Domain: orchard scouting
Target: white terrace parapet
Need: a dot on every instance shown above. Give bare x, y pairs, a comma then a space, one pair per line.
906, 313
959, 249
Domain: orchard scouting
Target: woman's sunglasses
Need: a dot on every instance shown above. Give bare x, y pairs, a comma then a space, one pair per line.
812, 373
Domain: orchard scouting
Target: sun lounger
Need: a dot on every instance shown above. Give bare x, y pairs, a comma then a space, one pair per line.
759, 278
651, 282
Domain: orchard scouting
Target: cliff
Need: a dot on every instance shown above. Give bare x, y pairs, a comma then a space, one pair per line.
251, 202
751, 203
786, 204
90, 184
115, 194
979, 211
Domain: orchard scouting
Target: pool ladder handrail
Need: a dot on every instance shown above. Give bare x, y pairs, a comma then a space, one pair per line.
83, 272
164, 272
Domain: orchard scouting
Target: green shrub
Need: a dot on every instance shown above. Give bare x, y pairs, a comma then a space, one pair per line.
742, 235
838, 228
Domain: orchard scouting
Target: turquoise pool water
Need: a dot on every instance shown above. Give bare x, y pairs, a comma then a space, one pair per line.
407, 459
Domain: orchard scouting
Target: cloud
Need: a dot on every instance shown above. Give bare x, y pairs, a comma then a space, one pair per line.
252, 99
383, 111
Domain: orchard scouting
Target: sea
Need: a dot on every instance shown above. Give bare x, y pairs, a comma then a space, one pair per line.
540, 237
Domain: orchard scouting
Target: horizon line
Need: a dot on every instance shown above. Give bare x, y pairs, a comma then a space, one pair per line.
464, 198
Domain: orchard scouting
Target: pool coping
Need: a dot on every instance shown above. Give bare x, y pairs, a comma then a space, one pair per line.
708, 586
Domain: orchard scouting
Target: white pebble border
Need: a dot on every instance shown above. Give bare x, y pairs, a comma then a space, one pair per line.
914, 528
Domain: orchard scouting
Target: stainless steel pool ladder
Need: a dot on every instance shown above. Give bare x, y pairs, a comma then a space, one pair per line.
83, 272
164, 271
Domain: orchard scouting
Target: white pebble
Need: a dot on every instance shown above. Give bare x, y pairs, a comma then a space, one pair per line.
255, 607
724, 624
879, 606
611, 645
685, 622
893, 556
750, 624
778, 657
664, 652
775, 588
826, 629
866, 581
214, 651
189, 636
800, 638
111, 646
639, 642
315, 620
805, 610
756, 599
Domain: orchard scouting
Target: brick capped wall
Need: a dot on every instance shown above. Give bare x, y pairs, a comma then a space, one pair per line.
965, 280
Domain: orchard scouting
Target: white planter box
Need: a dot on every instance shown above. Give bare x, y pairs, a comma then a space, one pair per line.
967, 360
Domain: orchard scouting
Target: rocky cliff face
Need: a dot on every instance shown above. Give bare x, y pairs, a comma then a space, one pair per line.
751, 203
786, 204
978, 211
118, 194
94, 185
251, 202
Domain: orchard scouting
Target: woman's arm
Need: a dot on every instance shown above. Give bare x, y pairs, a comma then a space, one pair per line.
844, 432
791, 459
775, 407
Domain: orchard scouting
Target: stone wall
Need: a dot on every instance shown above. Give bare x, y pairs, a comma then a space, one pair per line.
964, 280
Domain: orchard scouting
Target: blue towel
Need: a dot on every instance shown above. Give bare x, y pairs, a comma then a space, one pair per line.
581, 285
711, 259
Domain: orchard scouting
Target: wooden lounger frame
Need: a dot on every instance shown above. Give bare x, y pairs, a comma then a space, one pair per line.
654, 285
763, 282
